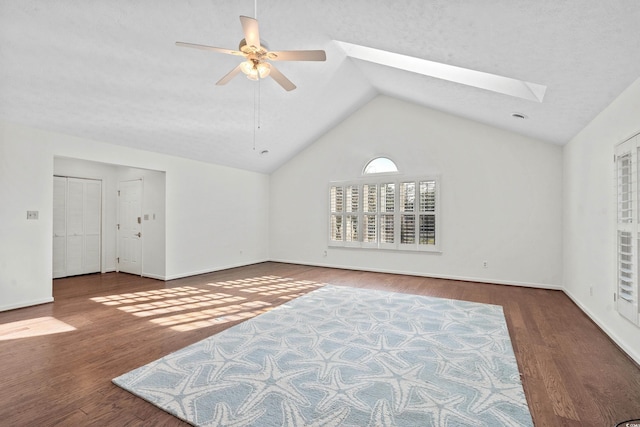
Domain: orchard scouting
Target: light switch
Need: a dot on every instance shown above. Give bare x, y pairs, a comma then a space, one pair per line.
146, 217
32, 214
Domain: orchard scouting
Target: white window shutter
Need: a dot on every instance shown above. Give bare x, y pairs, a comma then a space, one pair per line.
628, 228
336, 221
384, 213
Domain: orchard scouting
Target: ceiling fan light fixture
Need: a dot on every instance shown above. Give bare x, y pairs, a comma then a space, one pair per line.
264, 69
247, 67
253, 69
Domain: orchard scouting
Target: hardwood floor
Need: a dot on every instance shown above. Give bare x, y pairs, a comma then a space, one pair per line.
57, 360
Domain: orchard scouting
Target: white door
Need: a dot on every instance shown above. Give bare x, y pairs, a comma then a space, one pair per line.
59, 227
75, 227
92, 225
77, 209
130, 227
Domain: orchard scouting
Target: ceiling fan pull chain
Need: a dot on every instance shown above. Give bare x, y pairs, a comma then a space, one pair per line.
256, 111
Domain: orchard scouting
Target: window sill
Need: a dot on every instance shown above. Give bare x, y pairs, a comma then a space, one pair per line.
428, 249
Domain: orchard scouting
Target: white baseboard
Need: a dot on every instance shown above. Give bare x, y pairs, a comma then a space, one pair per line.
154, 276
434, 276
26, 304
614, 337
214, 269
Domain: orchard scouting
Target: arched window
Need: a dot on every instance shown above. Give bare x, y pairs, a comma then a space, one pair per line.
380, 165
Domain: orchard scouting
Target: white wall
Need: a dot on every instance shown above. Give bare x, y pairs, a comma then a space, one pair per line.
501, 196
25, 245
211, 214
589, 216
216, 216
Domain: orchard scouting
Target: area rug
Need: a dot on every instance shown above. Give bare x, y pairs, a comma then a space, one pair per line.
342, 356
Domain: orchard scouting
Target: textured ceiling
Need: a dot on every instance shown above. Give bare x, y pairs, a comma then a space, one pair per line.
109, 70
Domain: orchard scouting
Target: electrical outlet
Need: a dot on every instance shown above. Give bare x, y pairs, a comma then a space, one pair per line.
485, 264
324, 254
32, 214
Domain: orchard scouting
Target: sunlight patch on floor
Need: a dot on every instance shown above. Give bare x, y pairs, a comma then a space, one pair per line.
186, 308
216, 316
269, 285
33, 328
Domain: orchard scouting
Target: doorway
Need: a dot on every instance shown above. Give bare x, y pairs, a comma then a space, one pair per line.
151, 258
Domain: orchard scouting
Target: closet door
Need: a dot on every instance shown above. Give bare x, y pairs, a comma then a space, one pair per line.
92, 225
77, 226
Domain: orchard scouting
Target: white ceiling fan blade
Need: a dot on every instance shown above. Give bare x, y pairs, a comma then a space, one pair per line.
281, 79
205, 47
231, 74
251, 31
298, 55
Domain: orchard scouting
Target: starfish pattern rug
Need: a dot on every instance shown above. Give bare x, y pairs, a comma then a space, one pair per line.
341, 356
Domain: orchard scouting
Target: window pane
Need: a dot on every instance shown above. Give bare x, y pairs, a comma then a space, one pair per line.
386, 228
427, 230
336, 199
387, 197
369, 229
407, 196
427, 196
407, 229
351, 232
336, 228
351, 202
370, 197
380, 165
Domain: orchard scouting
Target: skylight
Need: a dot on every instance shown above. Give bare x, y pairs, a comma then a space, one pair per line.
479, 79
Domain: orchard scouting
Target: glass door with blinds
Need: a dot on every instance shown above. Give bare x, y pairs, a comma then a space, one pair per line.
628, 228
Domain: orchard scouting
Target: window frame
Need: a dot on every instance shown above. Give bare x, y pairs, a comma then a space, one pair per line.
627, 200
379, 180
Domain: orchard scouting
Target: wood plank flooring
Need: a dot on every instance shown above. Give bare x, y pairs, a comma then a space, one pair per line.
57, 360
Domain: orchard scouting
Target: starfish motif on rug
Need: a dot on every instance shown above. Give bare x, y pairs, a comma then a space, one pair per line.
271, 380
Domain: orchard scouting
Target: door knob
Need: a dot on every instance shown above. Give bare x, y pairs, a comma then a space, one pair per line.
139, 234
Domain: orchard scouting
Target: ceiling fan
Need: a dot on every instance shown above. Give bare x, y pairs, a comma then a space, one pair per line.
257, 55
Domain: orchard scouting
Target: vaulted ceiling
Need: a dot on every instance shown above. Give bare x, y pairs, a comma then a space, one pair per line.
110, 70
